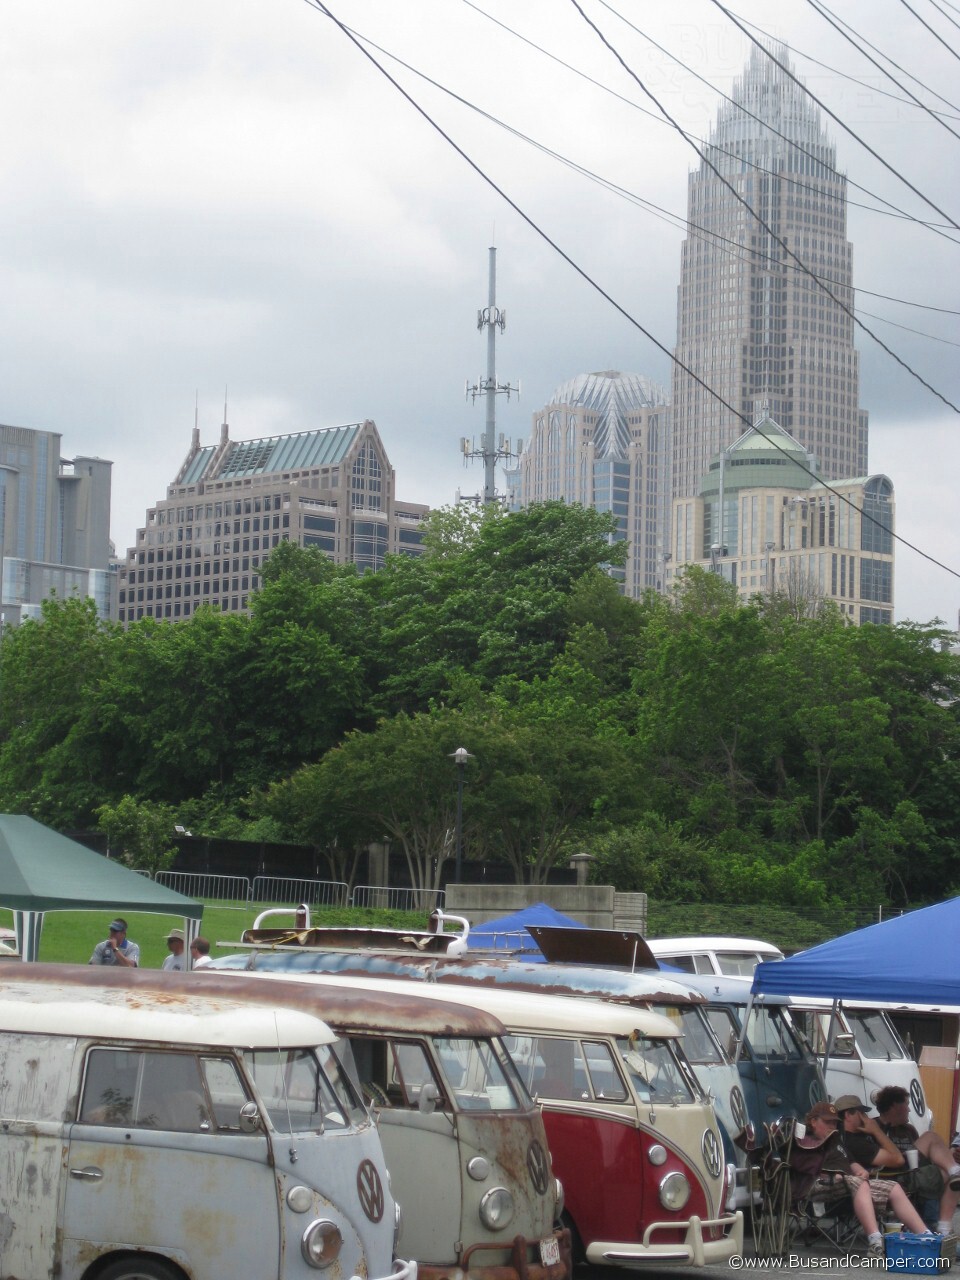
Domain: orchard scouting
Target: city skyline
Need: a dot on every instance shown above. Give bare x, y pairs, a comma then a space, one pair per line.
235, 196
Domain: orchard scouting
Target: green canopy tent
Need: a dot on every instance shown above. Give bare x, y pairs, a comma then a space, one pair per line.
41, 870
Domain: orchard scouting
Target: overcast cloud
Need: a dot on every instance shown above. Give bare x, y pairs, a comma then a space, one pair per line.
228, 193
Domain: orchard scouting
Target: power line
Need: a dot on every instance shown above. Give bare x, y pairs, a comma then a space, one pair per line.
705, 159
791, 142
887, 57
936, 34
906, 328
833, 116
843, 75
676, 220
827, 17
321, 7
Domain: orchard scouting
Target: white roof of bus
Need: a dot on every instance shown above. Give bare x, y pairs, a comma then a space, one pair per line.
680, 946
157, 1016
515, 1009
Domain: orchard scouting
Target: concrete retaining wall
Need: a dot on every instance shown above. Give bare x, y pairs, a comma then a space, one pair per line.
595, 905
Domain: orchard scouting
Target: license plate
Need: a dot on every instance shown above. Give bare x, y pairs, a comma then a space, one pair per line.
549, 1252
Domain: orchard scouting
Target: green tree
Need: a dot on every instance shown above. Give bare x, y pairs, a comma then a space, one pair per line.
142, 833
52, 759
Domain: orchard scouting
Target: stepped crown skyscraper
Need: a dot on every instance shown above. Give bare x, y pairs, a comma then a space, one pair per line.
758, 330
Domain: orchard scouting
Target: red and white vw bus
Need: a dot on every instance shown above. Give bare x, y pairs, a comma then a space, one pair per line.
633, 1138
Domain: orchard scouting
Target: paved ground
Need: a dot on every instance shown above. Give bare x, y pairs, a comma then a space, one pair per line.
825, 1263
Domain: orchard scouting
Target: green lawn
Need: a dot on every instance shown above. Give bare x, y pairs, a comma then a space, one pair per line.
69, 936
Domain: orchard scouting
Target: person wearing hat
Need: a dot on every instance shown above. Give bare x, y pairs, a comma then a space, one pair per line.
863, 1138
175, 946
936, 1175
869, 1194
117, 948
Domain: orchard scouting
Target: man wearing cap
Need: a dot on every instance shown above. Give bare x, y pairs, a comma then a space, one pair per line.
117, 949
937, 1172
864, 1139
175, 946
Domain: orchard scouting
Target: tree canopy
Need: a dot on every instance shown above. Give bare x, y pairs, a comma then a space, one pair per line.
695, 746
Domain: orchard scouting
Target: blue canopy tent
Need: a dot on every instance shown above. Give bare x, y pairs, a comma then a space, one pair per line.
509, 933
910, 959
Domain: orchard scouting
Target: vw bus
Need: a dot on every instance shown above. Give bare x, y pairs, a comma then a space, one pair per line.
865, 1053
151, 1132
778, 1072
634, 1141
727, 957
465, 1143
686, 1007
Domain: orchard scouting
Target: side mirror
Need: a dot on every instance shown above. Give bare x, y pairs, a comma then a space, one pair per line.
427, 1102
844, 1045
249, 1118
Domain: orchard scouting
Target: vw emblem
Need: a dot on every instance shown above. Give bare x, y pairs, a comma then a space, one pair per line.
537, 1167
738, 1108
916, 1097
816, 1093
712, 1155
370, 1190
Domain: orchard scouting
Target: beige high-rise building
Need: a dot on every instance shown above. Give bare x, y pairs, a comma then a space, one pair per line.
765, 523
751, 324
233, 502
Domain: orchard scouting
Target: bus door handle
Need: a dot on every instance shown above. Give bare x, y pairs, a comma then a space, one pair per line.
90, 1173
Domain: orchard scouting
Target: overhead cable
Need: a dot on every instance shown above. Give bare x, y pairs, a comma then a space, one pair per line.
321, 7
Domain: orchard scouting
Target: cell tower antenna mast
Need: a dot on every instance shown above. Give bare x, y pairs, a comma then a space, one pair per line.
493, 449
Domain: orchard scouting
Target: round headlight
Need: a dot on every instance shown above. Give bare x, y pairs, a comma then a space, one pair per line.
321, 1243
496, 1209
674, 1191
478, 1168
559, 1196
300, 1199
397, 1224
657, 1155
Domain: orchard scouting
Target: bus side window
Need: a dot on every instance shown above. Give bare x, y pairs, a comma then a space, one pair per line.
558, 1077
150, 1090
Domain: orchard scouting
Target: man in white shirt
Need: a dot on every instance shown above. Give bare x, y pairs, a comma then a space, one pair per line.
175, 946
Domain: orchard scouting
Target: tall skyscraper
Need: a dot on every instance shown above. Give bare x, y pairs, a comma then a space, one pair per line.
757, 329
601, 442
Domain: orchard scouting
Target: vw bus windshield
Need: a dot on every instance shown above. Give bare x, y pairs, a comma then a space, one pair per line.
772, 1036
875, 1035
656, 1070
304, 1090
475, 1076
699, 1042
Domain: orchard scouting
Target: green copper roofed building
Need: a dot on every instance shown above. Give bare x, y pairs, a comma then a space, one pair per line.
231, 503
766, 522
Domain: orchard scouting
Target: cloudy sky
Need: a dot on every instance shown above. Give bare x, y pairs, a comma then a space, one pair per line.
211, 194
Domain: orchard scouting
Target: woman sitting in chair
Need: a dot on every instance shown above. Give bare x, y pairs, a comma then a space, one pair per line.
868, 1194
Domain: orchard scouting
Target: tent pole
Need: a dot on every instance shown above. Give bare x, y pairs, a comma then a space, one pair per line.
742, 1038
831, 1030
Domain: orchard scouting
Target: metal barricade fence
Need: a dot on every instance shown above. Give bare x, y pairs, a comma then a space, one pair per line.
199, 885
315, 893
373, 895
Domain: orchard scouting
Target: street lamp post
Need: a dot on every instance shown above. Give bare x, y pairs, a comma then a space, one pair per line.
460, 758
